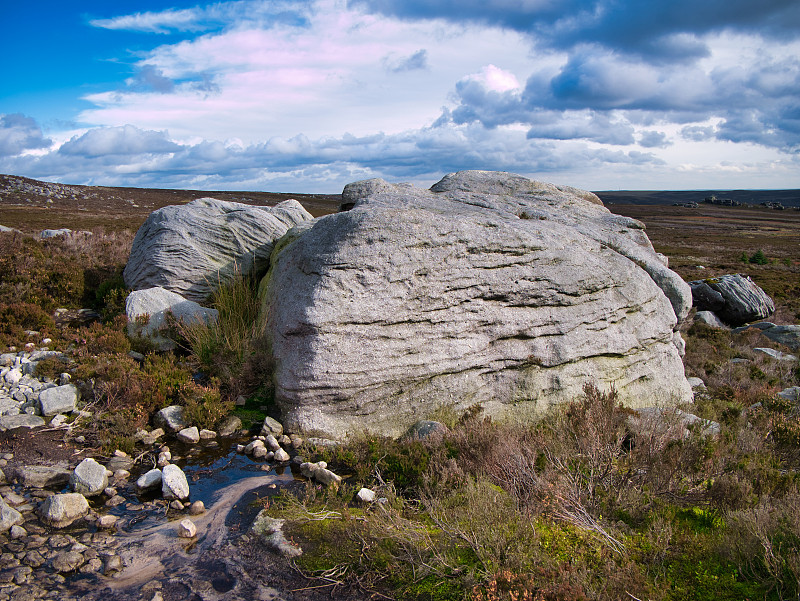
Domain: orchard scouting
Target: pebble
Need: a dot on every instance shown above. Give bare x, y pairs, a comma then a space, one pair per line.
187, 529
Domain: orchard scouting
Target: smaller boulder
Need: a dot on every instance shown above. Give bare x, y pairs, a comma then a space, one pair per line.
147, 314
230, 426
170, 419
272, 426
708, 318
149, 480
187, 529
281, 456
790, 394
741, 300
61, 510
9, 517
89, 478
775, 354
189, 435
60, 399
426, 429
173, 483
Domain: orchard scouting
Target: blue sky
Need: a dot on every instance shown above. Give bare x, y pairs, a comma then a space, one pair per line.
308, 96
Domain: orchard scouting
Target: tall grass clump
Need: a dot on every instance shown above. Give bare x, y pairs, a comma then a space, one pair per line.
232, 348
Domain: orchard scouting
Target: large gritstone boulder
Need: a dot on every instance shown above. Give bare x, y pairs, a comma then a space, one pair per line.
488, 288
190, 248
734, 298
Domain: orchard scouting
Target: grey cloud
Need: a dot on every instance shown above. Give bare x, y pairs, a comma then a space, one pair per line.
414, 62
698, 133
118, 141
654, 139
19, 133
152, 160
152, 78
660, 30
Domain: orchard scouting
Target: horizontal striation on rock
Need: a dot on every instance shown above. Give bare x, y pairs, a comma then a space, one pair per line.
416, 299
190, 248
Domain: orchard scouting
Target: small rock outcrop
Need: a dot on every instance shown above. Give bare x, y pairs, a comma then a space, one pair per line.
173, 483
89, 478
59, 511
734, 298
190, 248
488, 288
147, 313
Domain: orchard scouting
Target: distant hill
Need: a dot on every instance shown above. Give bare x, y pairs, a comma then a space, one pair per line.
788, 198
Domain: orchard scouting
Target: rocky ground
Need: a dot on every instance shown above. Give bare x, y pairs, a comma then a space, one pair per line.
78, 525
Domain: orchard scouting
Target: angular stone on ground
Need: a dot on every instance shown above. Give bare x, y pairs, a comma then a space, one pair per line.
790, 394
174, 484
189, 435
708, 318
366, 495
187, 529
61, 399
272, 426
9, 516
489, 289
775, 354
190, 248
426, 429
89, 478
61, 510
230, 426
319, 472
170, 419
23, 420
786, 335
39, 476
734, 298
147, 314
149, 480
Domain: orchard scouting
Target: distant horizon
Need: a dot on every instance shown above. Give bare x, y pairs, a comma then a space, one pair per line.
271, 191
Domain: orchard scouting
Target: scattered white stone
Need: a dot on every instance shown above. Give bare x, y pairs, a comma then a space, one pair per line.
9, 516
187, 529
61, 510
366, 495
197, 508
776, 354
271, 443
170, 419
252, 446
174, 484
319, 472
89, 478
189, 435
60, 399
207, 434
149, 480
281, 456
272, 426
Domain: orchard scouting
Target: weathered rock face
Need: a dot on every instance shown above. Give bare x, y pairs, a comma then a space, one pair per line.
734, 298
147, 311
488, 288
189, 248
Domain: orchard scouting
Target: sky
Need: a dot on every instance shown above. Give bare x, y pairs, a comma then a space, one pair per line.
309, 95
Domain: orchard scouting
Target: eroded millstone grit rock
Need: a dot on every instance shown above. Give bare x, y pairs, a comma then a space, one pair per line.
488, 288
189, 248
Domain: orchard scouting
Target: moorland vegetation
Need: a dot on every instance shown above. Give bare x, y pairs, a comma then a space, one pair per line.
577, 505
